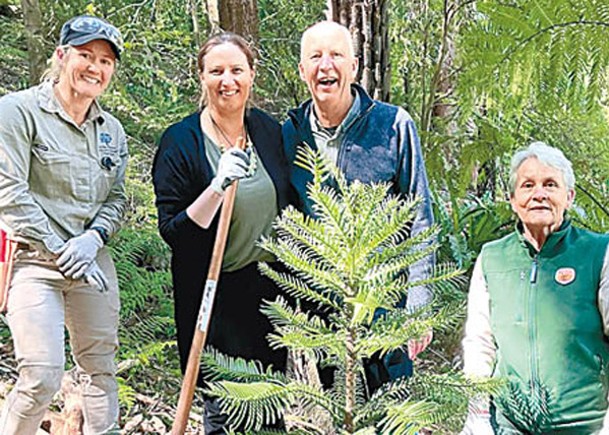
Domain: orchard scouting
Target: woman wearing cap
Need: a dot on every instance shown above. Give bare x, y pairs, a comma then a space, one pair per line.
62, 169
194, 165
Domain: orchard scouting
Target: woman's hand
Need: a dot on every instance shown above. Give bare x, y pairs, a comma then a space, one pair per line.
78, 253
94, 276
234, 165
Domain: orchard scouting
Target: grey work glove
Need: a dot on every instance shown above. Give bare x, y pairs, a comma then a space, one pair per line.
94, 276
78, 253
234, 165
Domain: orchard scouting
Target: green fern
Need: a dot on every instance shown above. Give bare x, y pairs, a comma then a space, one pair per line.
530, 409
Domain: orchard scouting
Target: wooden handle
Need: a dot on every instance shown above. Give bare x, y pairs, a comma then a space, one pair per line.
189, 382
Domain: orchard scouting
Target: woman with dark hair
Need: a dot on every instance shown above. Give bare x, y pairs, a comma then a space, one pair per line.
196, 161
62, 184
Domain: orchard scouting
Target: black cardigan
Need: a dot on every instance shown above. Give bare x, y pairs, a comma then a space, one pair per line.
181, 172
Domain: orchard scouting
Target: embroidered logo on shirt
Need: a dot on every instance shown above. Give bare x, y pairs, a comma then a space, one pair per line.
105, 138
565, 275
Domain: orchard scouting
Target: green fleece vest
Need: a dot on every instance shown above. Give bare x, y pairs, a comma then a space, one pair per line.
544, 316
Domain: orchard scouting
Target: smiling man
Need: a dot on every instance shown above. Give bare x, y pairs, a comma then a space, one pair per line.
538, 311
369, 141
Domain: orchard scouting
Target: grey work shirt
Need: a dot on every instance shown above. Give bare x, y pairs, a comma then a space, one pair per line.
58, 178
328, 140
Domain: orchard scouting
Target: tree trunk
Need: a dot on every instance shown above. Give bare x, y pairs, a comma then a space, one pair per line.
213, 15
193, 6
239, 16
350, 383
442, 86
32, 18
368, 23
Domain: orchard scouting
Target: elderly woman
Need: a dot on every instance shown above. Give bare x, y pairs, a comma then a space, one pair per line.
538, 311
195, 163
62, 168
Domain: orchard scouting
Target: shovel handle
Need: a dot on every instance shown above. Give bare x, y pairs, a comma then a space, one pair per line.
198, 342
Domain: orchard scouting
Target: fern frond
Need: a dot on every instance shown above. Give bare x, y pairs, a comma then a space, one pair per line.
252, 405
409, 417
257, 404
216, 366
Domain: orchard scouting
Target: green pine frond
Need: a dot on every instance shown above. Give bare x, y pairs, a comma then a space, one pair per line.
308, 232
330, 211
366, 303
442, 275
217, 366
393, 330
409, 417
256, 404
452, 388
392, 267
300, 331
295, 287
309, 267
313, 162
251, 405
404, 246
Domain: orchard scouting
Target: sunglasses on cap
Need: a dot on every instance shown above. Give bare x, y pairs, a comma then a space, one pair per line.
83, 29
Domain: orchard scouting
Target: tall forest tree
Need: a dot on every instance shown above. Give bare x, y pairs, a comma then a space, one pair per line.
369, 26
238, 16
32, 18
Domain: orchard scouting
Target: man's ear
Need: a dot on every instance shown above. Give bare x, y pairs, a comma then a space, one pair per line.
60, 53
301, 72
354, 68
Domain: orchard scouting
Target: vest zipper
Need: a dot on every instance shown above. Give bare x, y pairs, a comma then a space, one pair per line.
534, 271
533, 326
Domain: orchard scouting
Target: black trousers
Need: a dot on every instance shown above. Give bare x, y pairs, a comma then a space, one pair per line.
237, 326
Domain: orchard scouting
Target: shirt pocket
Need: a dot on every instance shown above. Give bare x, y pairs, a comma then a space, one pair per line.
50, 173
110, 162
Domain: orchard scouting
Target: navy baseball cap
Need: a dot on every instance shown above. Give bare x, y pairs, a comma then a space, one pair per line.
84, 28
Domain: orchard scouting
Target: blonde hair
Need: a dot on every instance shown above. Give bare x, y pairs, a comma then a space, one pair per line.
54, 65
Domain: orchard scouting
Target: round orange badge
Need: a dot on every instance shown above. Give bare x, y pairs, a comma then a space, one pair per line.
565, 275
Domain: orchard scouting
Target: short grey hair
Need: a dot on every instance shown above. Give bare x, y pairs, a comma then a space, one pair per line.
547, 155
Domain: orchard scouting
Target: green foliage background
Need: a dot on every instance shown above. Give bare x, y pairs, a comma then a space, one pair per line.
520, 71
